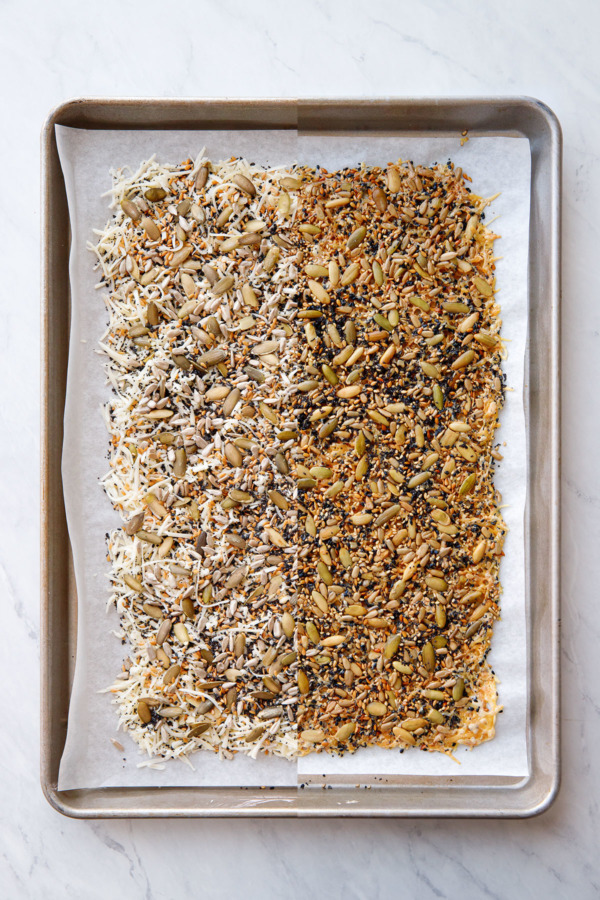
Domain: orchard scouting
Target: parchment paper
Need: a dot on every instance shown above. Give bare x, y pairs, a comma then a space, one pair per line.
497, 164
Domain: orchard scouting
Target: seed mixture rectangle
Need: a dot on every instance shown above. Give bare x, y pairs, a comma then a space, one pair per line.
307, 382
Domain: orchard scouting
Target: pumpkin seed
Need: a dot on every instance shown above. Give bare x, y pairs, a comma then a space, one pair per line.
463, 360
392, 646
289, 183
397, 590
438, 396
430, 369
440, 615
152, 610
302, 681
133, 583
390, 513
324, 573
356, 238
419, 479
350, 274
330, 374
288, 624
187, 605
458, 690
321, 472
428, 656
413, 724
420, 303
212, 357
482, 286
455, 306
131, 210
134, 524
313, 632
346, 731
143, 712
435, 583
199, 729
345, 558
467, 485
172, 674
151, 228
334, 490
404, 735
181, 633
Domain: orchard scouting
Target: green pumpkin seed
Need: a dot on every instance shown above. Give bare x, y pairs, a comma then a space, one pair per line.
435, 583
131, 210
390, 513
171, 674
143, 712
455, 306
392, 645
350, 274
313, 632
382, 322
330, 374
151, 228
356, 238
132, 582
397, 590
288, 624
328, 428
334, 490
430, 369
458, 690
344, 733
152, 610
463, 360
240, 496
324, 573
321, 472
416, 480
482, 286
420, 303
467, 485
345, 558
428, 656
302, 681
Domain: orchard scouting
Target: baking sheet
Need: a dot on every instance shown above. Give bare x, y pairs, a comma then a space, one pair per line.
90, 760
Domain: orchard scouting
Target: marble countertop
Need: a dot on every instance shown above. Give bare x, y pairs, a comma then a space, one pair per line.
52, 52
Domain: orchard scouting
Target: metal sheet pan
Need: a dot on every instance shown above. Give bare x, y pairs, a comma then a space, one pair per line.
459, 797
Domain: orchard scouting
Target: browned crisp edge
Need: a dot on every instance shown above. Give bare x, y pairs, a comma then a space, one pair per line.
412, 797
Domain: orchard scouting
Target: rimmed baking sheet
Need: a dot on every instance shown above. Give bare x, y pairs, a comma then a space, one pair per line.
391, 121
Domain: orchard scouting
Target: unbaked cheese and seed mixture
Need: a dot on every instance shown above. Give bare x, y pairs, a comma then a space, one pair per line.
306, 375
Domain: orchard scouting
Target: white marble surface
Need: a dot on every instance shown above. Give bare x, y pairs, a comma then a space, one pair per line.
52, 51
